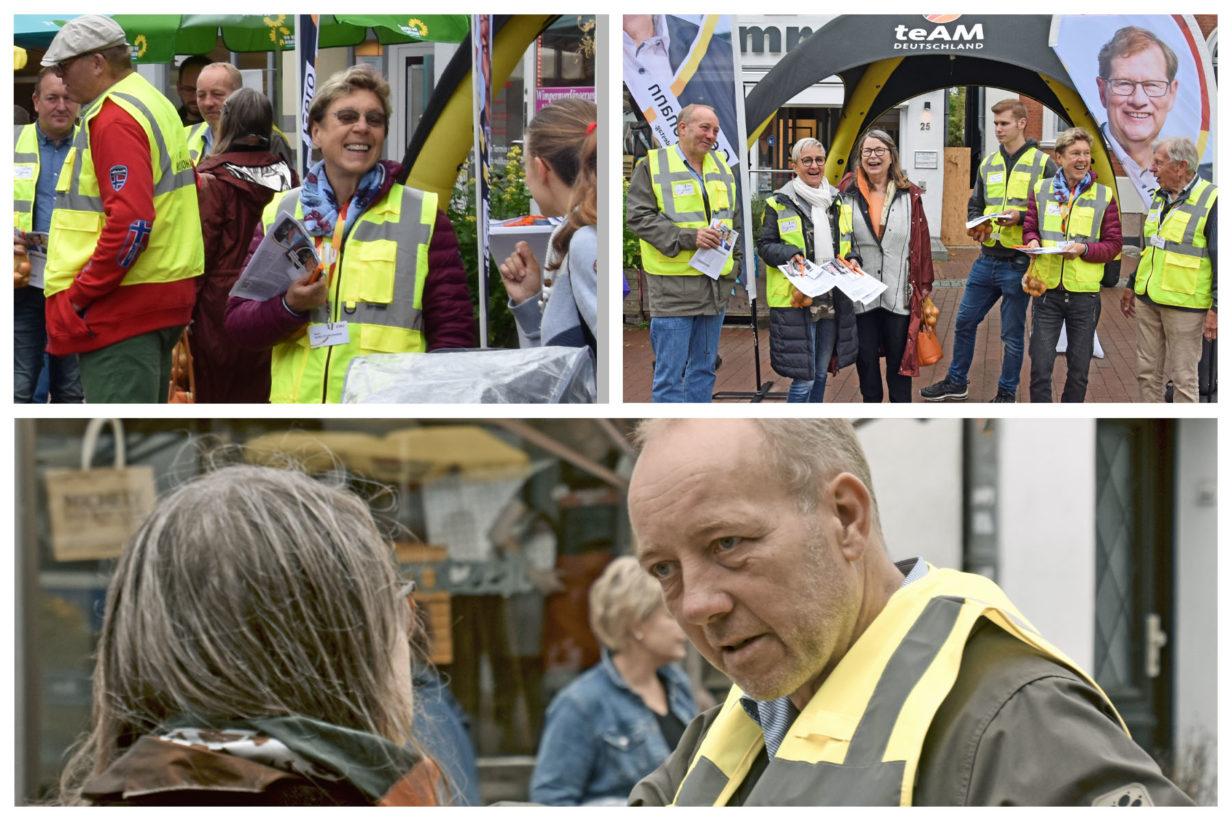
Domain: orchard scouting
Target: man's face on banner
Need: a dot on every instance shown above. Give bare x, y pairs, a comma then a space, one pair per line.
700, 133
1137, 96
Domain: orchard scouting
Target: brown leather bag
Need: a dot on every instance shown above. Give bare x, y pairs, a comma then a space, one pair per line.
927, 347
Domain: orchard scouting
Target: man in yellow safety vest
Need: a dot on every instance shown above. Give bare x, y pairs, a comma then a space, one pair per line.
1175, 282
857, 680
125, 237
677, 196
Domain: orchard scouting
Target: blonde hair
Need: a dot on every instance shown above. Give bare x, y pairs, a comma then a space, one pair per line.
361, 77
621, 598
1070, 136
248, 592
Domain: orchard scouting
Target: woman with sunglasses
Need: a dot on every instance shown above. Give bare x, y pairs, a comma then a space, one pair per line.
391, 278
255, 650
882, 214
808, 336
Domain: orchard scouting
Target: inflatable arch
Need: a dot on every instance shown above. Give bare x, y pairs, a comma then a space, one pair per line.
886, 59
444, 138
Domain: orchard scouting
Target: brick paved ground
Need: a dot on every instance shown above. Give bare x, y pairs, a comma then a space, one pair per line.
1111, 378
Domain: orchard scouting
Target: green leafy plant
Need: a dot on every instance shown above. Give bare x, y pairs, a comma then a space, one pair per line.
508, 197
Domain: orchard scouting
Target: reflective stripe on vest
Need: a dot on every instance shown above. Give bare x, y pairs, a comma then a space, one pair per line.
859, 740
25, 176
1179, 273
1002, 194
195, 135
791, 232
1085, 221
174, 247
377, 291
680, 199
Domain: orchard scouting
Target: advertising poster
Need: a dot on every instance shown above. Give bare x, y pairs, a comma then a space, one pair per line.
1144, 77
481, 81
306, 48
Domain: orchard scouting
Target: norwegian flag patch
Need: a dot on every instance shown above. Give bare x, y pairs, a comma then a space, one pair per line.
119, 176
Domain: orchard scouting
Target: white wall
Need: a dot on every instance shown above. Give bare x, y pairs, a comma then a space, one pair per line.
932, 141
1046, 519
917, 477
1194, 639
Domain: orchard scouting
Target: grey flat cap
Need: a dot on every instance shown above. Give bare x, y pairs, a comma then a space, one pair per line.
81, 35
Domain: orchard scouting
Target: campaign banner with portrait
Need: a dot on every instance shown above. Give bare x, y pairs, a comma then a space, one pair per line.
481, 110
306, 38
673, 60
1143, 77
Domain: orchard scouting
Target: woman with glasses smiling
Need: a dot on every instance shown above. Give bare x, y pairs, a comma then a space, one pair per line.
391, 278
883, 212
808, 336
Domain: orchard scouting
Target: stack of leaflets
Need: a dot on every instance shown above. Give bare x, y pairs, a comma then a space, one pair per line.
286, 254
813, 280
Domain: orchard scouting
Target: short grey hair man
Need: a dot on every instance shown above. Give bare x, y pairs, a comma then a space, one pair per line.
1179, 149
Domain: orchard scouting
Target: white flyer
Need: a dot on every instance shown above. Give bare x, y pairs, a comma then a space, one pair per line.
808, 277
36, 251
985, 218
711, 261
858, 284
286, 254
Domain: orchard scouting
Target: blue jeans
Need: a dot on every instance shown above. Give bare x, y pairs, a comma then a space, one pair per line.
29, 342
992, 279
822, 336
685, 348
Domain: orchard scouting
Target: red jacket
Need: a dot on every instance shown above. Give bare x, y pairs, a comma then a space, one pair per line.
919, 270
447, 312
95, 311
231, 194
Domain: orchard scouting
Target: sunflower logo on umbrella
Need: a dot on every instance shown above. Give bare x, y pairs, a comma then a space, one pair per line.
141, 45
278, 30
416, 27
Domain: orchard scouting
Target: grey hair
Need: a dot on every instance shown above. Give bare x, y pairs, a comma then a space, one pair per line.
233, 74
246, 112
1179, 149
686, 113
620, 598
1070, 136
249, 591
804, 452
806, 142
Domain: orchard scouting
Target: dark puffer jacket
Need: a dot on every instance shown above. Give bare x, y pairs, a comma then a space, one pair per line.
232, 190
791, 352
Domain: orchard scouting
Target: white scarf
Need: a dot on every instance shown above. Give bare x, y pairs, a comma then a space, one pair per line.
818, 199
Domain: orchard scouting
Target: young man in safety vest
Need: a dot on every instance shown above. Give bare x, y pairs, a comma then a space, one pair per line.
1078, 217
125, 239
215, 84
674, 196
1175, 282
857, 681
38, 155
1007, 177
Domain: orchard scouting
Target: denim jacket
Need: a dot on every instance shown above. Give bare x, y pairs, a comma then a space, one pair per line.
600, 738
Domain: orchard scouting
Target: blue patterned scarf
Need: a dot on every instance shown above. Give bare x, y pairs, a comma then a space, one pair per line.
321, 206
1060, 186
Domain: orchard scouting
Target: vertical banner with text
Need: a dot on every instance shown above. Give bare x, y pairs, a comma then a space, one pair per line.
306, 28
481, 82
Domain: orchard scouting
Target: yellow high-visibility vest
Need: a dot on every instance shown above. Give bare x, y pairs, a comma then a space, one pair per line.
862, 755
377, 290
174, 248
1009, 192
791, 231
679, 195
1175, 268
1085, 221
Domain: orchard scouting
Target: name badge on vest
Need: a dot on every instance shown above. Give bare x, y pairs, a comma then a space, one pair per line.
329, 334
23, 172
786, 226
1158, 241
1053, 209
996, 176
684, 189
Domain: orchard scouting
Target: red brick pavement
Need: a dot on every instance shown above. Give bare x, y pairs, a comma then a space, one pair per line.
1111, 379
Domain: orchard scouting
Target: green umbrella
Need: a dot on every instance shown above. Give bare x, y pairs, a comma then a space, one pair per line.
158, 38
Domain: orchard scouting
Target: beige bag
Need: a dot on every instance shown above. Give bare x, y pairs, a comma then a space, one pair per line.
93, 511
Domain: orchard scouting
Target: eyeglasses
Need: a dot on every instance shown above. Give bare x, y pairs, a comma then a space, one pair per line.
349, 116
1151, 88
811, 161
872, 152
61, 67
